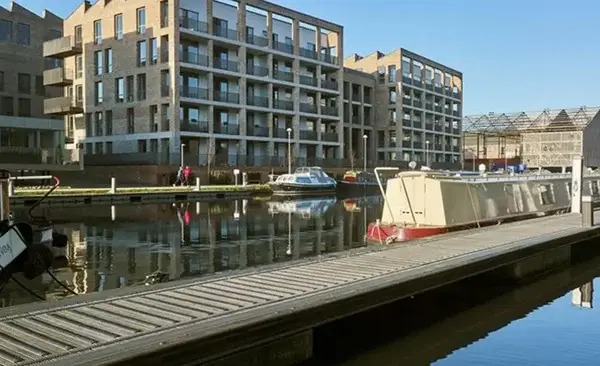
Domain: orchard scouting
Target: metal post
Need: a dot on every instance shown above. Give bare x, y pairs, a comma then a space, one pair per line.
181, 149
427, 153
587, 211
289, 132
4, 199
113, 185
197, 188
576, 184
365, 137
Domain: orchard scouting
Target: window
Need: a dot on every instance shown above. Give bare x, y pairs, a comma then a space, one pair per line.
119, 90
78, 34
108, 118
108, 67
78, 66
130, 88
98, 32
39, 85
109, 146
98, 62
79, 93
7, 106
1, 80
98, 92
24, 83
249, 33
52, 34
141, 20
164, 47
311, 46
381, 74
165, 83
6, 32
288, 41
23, 34
153, 118
165, 113
24, 107
392, 96
392, 73
98, 124
164, 14
119, 26
142, 53
153, 51
130, 121
141, 87
88, 128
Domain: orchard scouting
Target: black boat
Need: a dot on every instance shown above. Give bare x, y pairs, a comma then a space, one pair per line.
358, 183
304, 181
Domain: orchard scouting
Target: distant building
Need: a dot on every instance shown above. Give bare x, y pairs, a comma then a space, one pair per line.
28, 139
547, 139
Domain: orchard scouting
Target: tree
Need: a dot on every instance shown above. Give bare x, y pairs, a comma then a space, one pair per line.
210, 155
351, 157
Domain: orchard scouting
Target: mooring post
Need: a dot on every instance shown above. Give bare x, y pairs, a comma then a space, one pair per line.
576, 184
113, 185
197, 187
587, 211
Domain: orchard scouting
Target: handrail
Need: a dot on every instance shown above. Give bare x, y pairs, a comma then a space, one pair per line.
385, 200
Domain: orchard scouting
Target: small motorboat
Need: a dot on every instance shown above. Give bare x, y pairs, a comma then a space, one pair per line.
358, 183
304, 181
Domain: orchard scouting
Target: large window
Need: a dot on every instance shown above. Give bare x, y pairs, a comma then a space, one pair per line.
119, 90
119, 26
141, 20
6, 32
23, 34
142, 53
153, 51
24, 83
98, 92
108, 66
98, 62
98, 32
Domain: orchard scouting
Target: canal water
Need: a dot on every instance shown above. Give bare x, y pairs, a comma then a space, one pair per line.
133, 245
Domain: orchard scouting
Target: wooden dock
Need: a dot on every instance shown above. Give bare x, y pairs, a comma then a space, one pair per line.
221, 320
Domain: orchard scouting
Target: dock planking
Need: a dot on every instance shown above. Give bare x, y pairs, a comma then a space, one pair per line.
209, 318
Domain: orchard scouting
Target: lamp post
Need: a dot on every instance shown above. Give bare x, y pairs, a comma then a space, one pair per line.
289, 134
365, 137
427, 153
181, 149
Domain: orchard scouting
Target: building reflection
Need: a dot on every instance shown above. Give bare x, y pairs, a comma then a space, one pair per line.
117, 246
583, 296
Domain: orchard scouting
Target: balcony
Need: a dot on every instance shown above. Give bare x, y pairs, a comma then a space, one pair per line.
194, 126
194, 92
282, 133
429, 126
429, 86
329, 110
226, 97
258, 101
406, 144
283, 75
329, 84
391, 143
417, 124
193, 25
283, 47
438, 147
406, 122
194, 58
438, 127
406, 80
257, 40
418, 83
27, 155
417, 145
438, 89
228, 65
308, 80
329, 59
455, 131
429, 106
62, 47
58, 77
438, 109
308, 53
257, 131
417, 104
284, 104
367, 99
308, 108
448, 91
455, 113
257, 70
226, 33
227, 129
329, 136
455, 95
308, 135
62, 106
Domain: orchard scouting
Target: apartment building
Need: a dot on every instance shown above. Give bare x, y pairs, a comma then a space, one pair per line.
28, 140
238, 81
418, 107
359, 142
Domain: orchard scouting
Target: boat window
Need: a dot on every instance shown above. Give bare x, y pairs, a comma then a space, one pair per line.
547, 194
303, 180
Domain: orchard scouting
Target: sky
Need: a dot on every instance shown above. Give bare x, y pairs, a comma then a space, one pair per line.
509, 51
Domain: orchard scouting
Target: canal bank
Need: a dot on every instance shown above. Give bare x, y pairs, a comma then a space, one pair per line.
70, 196
268, 314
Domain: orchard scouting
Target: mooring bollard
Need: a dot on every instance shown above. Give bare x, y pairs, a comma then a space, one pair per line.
197, 188
113, 185
587, 211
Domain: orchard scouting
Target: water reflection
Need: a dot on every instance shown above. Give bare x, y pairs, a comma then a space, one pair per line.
117, 246
583, 296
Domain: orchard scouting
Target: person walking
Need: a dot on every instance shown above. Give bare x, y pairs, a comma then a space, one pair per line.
179, 177
187, 172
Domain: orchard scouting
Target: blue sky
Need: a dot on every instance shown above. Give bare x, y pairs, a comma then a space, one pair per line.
511, 52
